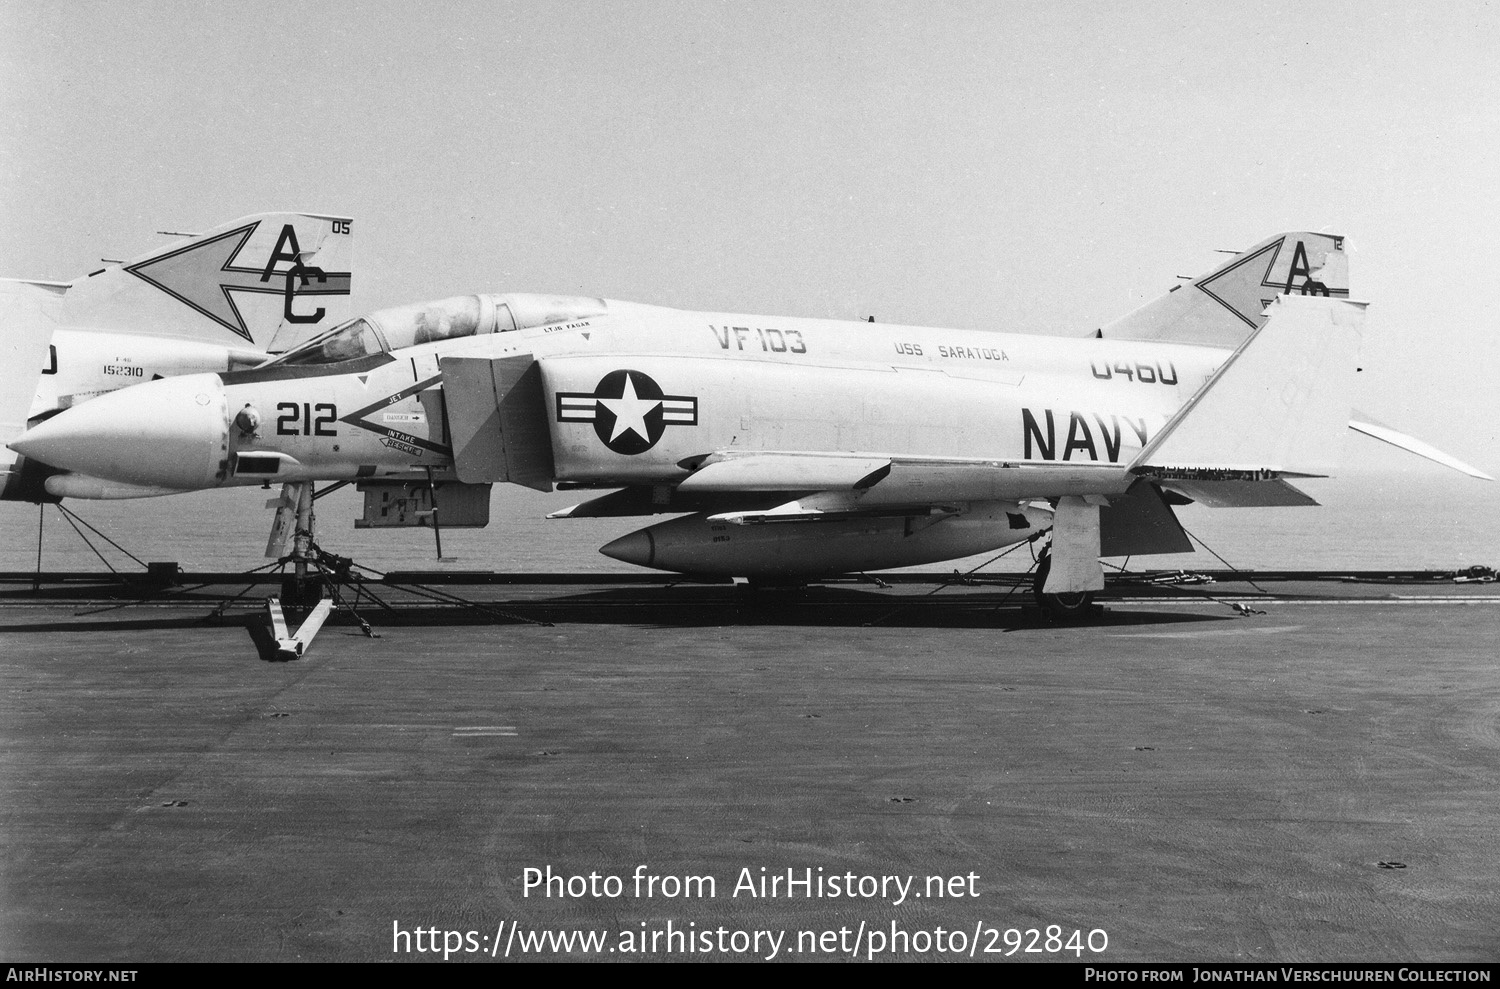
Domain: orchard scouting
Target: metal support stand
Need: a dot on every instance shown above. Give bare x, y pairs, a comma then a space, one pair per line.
291, 646
316, 573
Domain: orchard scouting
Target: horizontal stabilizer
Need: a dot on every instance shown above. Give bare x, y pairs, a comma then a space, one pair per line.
1214, 492
1278, 405
1363, 424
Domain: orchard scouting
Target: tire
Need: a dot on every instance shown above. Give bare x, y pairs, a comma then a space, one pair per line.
1075, 605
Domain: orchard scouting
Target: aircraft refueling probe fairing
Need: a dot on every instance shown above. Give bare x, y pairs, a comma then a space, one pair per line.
791, 448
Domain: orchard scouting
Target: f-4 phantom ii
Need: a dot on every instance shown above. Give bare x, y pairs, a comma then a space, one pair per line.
215, 301
791, 449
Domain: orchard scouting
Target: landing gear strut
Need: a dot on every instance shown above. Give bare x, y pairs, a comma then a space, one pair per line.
303, 588
1074, 605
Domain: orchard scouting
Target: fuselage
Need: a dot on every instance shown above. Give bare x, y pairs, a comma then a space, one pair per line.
83, 364
634, 393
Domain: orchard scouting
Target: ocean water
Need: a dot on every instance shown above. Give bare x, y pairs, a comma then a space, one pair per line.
1373, 517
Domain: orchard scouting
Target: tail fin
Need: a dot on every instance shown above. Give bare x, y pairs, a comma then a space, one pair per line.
28, 316
1278, 406
1223, 307
267, 280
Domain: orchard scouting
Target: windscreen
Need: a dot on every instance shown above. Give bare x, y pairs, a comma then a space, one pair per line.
430, 322
356, 338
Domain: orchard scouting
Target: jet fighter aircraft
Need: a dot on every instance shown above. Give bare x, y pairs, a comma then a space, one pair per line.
790, 448
215, 301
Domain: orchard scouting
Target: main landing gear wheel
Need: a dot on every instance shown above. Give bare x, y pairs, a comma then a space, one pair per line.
1074, 605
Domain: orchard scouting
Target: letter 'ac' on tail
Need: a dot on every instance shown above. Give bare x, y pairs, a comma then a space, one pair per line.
1223, 307
264, 282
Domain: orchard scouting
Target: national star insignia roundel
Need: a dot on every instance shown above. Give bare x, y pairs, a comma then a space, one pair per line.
628, 410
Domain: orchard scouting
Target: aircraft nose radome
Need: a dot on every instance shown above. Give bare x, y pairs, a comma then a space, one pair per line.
637, 548
170, 433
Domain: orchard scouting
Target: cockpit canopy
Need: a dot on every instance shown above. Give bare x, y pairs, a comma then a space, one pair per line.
446, 319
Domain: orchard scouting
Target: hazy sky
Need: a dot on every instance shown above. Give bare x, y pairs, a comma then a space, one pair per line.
1036, 167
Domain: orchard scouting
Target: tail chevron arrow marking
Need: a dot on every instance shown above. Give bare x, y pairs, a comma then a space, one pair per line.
203, 275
